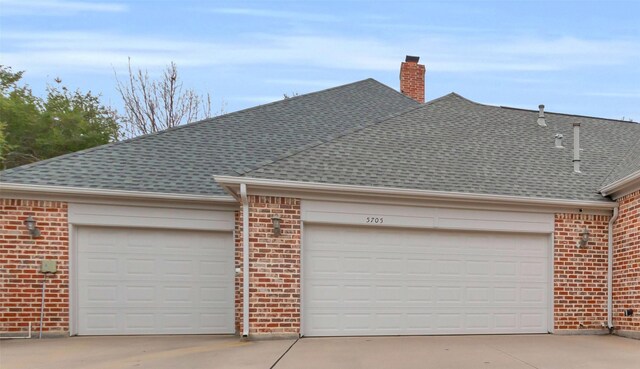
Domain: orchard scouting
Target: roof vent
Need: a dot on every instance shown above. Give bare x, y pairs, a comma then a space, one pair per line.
541, 121
576, 147
559, 141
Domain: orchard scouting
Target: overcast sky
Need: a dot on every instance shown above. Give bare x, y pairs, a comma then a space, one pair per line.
580, 57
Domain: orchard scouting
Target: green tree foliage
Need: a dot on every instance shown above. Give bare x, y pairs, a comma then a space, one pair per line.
34, 128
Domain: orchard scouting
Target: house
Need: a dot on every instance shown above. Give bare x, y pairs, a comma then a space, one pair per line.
356, 210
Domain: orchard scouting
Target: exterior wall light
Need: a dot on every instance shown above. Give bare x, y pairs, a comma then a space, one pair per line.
31, 226
277, 231
584, 238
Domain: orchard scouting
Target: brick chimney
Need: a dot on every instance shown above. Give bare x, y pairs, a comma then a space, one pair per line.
412, 78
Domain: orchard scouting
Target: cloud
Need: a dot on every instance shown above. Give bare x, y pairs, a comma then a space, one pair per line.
57, 7
305, 82
276, 14
631, 95
98, 51
36, 51
257, 99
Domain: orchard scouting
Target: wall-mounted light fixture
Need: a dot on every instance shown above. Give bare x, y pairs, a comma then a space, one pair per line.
584, 238
276, 225
31, 226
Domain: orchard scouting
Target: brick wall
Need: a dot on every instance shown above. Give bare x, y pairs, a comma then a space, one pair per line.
274, 284
580, 275
626, 267
20, 257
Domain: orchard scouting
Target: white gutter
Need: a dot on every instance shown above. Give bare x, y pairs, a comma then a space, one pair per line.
610, 271
424, 194
610, 188
79, 191
245, 260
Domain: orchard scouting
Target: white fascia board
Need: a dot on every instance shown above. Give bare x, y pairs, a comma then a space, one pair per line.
229, 183
97, 192
625, 184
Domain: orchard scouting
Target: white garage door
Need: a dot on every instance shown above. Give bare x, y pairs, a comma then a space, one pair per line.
154, 281
386, 281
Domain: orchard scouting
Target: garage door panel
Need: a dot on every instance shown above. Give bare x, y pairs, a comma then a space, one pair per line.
358, 281
150, 295
415, 321
183, 284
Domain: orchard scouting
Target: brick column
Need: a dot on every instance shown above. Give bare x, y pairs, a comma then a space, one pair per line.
580, 274
20, 258
626, 266
274, 284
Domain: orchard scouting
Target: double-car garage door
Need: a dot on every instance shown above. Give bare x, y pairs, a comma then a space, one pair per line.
408, 270
386, 281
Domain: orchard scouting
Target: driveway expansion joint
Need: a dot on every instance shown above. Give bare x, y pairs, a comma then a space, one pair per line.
281, 356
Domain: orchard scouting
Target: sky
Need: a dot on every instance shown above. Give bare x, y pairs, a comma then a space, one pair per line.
578, 57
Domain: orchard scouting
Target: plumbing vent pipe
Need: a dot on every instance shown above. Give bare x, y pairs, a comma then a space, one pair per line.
576, 147
559, 137
541, 121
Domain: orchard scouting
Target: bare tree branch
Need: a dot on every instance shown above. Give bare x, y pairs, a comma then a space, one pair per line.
154, 105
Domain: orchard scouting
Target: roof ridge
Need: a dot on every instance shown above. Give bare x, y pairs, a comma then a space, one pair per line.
565, 114
170, 129
536, 111
606, 180
289, 153
393, 89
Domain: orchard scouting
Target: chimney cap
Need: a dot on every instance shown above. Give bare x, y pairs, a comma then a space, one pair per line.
412, 59
576, 124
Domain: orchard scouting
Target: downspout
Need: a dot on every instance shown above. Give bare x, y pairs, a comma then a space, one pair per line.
610, 272
245, 260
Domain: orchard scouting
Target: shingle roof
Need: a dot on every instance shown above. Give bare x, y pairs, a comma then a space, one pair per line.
629, 165
453, 144
184, 159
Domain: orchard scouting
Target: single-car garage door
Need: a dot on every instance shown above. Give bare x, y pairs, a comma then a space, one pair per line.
389, 281
154, 281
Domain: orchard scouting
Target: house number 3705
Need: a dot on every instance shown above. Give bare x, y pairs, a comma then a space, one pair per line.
375, 220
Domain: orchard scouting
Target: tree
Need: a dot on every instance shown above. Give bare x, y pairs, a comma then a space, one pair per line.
40, 128
154, 105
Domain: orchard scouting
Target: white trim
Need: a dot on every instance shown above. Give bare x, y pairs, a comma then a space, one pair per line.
229, 181
150, 217
623, 184
428, 217
78, 191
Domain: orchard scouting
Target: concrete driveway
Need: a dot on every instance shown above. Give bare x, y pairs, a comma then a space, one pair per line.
442, 352
458, 352
143, 352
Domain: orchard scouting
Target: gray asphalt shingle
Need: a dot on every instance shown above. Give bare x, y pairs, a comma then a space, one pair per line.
453, 144
184, 159
629, 164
